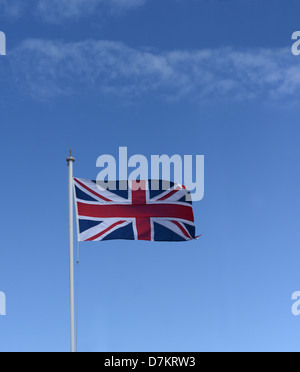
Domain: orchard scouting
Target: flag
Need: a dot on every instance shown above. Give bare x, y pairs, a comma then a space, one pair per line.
140, 212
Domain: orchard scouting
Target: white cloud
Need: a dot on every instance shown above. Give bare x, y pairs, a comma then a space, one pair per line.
55, 11
11, 8
46, 69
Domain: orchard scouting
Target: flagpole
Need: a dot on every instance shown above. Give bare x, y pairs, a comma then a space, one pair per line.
70, 161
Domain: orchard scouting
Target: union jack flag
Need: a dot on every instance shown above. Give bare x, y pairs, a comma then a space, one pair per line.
137, 213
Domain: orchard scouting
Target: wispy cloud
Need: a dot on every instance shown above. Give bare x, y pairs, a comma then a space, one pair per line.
47, 69
58, 10
55, 11
11, 8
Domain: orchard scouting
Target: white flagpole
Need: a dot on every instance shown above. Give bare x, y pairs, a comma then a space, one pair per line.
70, 161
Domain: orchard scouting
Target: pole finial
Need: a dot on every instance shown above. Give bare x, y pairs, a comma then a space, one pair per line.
70, 158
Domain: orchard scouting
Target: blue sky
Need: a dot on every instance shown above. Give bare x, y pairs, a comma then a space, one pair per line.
215, 78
